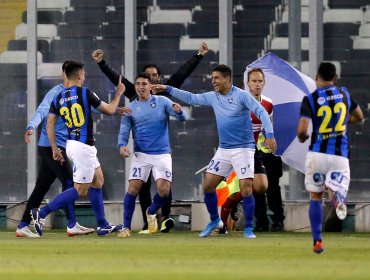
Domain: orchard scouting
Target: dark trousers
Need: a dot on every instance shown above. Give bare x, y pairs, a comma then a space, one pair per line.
145, 200
273, 165
49, 170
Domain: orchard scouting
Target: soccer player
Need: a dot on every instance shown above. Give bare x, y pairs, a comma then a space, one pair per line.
330, 108
73, 104
254, 81
236, 150
50, 169
176, 80
149, 123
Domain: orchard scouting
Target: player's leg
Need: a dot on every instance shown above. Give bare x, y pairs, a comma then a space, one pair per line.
218, 169
248, 206
43, 182
145, 200
159, 199
167, 221
129, 206
316, 166
140, 169
337, 181
210, 183
243, 162
260, 186
60, 201
316, 217
65, 175
274, 167
162, 173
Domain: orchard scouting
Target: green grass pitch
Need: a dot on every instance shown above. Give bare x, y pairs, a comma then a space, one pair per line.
183, 255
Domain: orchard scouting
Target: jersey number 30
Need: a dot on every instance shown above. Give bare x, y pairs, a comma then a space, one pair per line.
73, 116
327, 112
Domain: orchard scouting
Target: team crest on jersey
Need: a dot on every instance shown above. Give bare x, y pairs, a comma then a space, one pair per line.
318, 178
230, 100
243, 170
153, 105
337, 176
61, 101
168, 174
321, 100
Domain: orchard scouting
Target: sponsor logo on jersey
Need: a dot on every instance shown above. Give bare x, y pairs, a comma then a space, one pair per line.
62, 100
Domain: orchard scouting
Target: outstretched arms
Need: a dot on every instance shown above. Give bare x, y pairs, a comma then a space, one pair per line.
185, 70
110, 108
112, 74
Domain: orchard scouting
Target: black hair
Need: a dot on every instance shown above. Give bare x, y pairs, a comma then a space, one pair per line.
152, 66
257, 69
65, 64
223, 69
327, 71
143, 75
72, 68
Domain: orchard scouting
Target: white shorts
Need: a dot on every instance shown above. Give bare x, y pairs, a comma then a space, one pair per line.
142, 164
226, 160
324, 170
84, 161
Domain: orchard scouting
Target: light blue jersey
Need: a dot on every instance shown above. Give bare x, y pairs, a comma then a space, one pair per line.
149, 124
233, 112
41, 114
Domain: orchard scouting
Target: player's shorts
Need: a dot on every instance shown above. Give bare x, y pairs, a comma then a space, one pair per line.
226, 160
259, 167
84, 160
324, 170
142, 164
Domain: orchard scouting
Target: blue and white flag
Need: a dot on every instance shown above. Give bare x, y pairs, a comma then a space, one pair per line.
286, 86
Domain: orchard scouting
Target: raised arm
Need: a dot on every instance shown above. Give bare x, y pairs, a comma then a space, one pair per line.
186, 69
112, 74
110, 108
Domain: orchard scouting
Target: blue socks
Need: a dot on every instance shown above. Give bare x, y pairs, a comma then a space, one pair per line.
61, 200
129, 208
70, 209
248, 210
23, 224
157, 203
316, 217
96, 200
210, 199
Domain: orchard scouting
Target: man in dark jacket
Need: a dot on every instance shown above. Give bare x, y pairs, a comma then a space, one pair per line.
176, 80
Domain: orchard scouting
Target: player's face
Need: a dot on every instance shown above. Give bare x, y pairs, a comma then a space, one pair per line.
153, 73
220, 83
256, 83
142, 87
